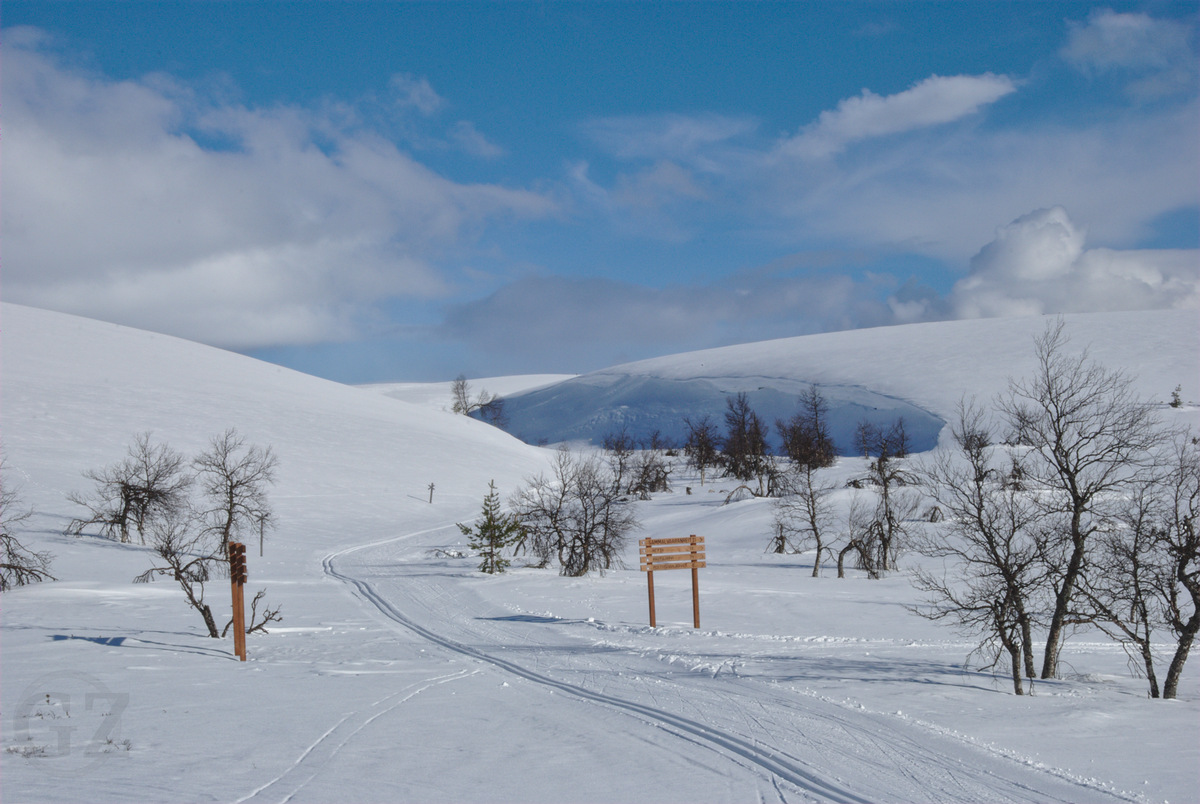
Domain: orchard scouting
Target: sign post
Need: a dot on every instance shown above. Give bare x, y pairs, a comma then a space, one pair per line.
677, 553
237, 580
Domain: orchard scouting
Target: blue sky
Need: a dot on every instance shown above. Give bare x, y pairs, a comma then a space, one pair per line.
374, 191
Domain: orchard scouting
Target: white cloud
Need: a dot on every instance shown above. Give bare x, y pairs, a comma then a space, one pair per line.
942, 194
139, 202
1038, 264
1155, 55
934, 101
1110, 40
467, 137
702, 141
415, 92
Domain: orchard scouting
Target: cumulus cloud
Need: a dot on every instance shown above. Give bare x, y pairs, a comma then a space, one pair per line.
934, 101
1038, 264
1159, 52
143, 202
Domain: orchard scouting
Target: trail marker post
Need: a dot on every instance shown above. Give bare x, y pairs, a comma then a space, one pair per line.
677, 553
237, 580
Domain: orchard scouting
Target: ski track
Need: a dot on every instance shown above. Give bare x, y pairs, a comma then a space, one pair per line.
300, 766
955, 778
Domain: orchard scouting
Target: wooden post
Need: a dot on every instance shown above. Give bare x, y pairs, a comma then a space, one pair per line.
650, 588
695, 596
237, 580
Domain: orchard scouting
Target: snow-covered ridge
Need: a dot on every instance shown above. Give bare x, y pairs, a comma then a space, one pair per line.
918, 371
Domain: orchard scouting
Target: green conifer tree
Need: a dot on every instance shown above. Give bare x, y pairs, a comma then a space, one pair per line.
494, 532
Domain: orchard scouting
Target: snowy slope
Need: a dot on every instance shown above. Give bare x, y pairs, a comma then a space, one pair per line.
916, 371
400, 673
437, 395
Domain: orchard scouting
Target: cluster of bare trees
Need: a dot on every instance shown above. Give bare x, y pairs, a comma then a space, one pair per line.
187, 511
149, 482
18, 564
742, 452
639, 468
1085, 515
876, 526
577, 515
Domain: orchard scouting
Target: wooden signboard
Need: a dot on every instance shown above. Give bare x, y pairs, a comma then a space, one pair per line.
666, 554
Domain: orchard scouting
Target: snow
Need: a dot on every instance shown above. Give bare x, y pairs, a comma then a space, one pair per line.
400, 673
437, 394
863, 374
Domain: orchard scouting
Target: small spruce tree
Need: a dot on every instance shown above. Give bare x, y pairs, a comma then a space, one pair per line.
494, 532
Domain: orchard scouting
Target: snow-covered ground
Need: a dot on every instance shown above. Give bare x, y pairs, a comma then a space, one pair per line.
401, 673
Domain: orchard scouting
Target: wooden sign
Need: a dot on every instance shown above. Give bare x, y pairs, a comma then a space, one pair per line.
667, 554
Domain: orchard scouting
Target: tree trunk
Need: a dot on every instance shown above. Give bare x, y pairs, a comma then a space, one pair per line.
842, 559
1027, 645
1014, 652
1186, 637
1062, 601
1148, 661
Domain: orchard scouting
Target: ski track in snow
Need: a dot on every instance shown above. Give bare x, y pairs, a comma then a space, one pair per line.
894, 762
320, 754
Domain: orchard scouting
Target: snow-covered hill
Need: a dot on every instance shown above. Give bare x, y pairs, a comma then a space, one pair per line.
401, 673
918, 372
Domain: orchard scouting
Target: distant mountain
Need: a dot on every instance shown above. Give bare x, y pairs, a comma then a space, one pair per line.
918, 372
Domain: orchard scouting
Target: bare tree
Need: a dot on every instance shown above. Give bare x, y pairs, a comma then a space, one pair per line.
886, 473
649, 472
703, 445
1143, 571
1126, 571
1180, 540
620, 447
18, 565
988, 542
803, 514
186, 553
575, 516
805, 437
1090, 437
150, 481
234, 479
639, 469
493, 412
460, 391
189, 553
861, 528
745, 451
